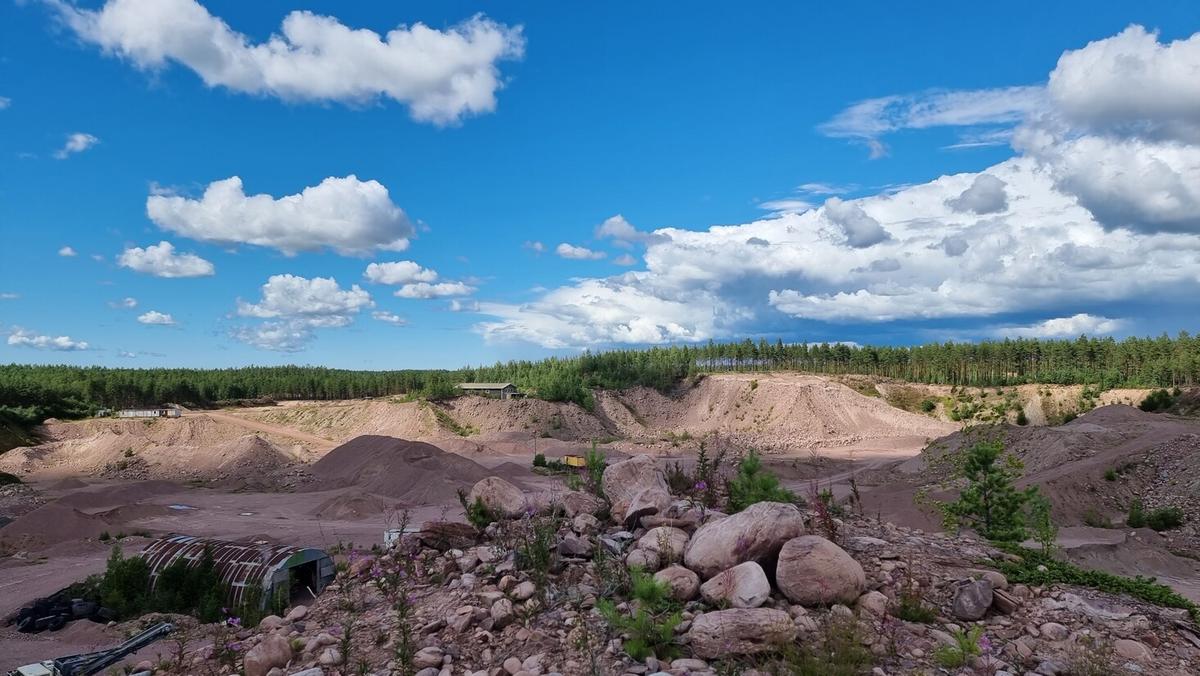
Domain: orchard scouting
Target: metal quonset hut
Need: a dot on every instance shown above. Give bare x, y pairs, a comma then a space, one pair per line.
300, 572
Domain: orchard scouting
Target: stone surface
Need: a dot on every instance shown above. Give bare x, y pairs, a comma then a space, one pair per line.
1054, 631
684, 583
635, 488
753, 534
739, 631
872, 603
814, 571
972, 599
273, 651
1131, 650
428, 657
743, 586
666, 541
499, 496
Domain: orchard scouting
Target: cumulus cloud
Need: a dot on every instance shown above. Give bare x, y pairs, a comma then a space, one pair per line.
859, 228
580, 253
294, 306
156, 318
344, 214
67, 252
127, 303
389, 318
469, 305
441, 75
76, 143
789, 205
623, 233
534, 246
399, 272
1065, 327
161, 260
1133, 84
22, 338
985, 196
625, 260
425, 290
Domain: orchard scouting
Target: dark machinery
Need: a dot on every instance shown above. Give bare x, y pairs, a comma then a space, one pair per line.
93, 663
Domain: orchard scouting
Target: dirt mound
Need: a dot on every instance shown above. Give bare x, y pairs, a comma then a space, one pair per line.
411, 472
344, 420
770, 412
191, 447
109, 497
50, 524
352, 505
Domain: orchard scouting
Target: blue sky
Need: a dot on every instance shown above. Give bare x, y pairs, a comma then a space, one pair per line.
570, 116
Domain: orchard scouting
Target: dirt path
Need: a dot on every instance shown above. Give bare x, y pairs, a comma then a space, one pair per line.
317, 443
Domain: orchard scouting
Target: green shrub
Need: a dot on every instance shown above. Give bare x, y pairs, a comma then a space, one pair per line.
478, 514
595, 463
966, 646
910, 608
1165, 518
929, 406
539, 460
125, 587
1158, 400
1041, 522
1022, 419
1137, 515
753, 484
1110, 474
1096, 520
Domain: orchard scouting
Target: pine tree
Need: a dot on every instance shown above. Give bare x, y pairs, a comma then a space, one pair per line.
990, 504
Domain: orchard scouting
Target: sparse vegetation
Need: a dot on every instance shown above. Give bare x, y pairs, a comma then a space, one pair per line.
1163, 518
650, 624
1158, 400
754, 484
965, 646
478, 514
990, 504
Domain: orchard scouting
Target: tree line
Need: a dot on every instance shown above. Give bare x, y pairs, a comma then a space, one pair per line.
32, 392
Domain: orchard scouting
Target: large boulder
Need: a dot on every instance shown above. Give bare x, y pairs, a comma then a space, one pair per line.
683, 583
753, 534
665, 541
743, 586
972, 599
740, 631
570, 503
813, 571
635, 488
499, 496
273, 651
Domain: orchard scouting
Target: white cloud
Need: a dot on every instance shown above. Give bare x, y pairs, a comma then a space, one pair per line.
127, 303
5, 102
22, 338
67, 252
294, 307
469, 305
344, 214
789, 205
860, 229
985, 196
534, 246
156, 318
623, 233
161, 260
1132, 84
425, 290
76, 143
867, 121
573, 252
399, 272
389, 318
8, 295
625, 259
818, 188
441, 75
1065, 327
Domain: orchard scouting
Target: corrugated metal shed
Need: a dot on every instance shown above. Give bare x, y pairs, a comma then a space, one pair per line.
275, 568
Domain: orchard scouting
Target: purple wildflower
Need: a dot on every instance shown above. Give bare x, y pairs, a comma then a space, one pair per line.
701, 485
985, 645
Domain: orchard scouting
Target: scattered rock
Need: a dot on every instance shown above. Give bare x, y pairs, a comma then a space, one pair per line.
753, 534
972, 599
271, 652
739, 631
499, 496
684, 583
814, 571
636, 480
743, 586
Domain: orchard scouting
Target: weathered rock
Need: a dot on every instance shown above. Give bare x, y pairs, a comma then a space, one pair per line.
1005, 602
635, 488
739, 631
669, 543
743, 586
296, 614
753, 534
575, 547
499, 496
814, 571
684, 584
502, 613
270, 623
1054, 631
972, 599
585, 524
524, 591
330, 657
644, 559
445, 535
872, 603
271, 652
1131, 650
427, 657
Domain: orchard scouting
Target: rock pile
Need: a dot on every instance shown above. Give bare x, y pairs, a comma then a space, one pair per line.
753, 590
